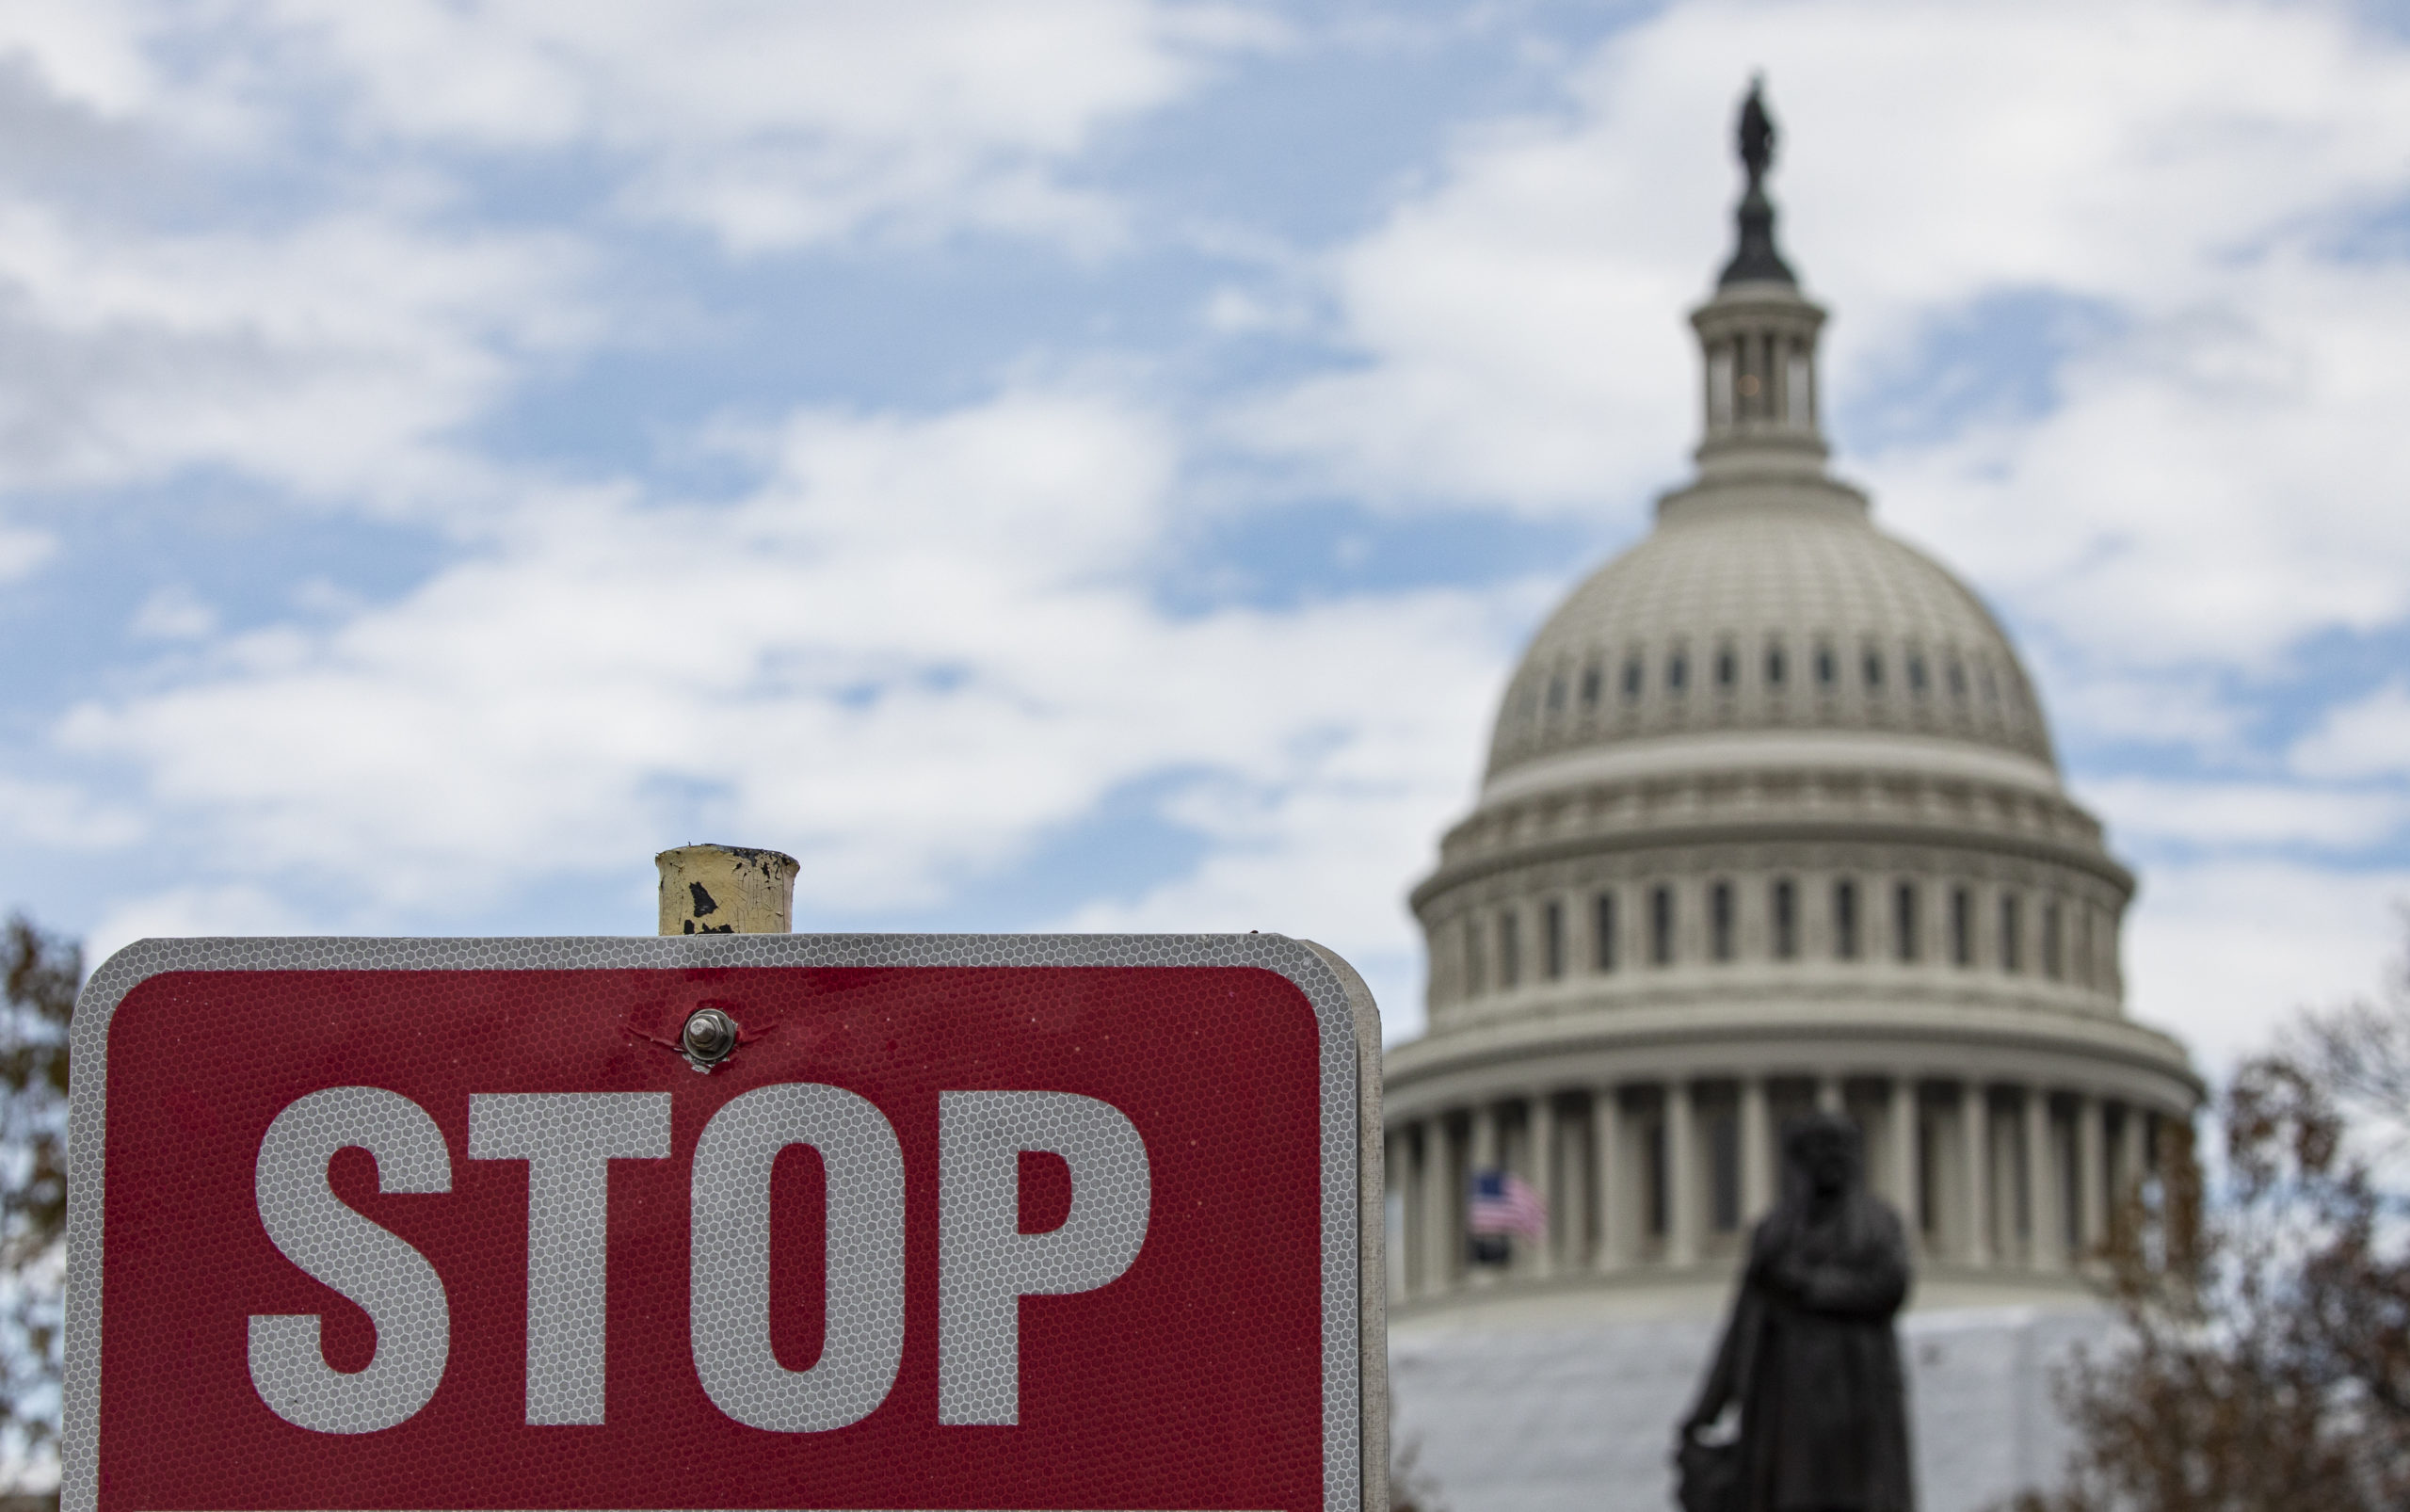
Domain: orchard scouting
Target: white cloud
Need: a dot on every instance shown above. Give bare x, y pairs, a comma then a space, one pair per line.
924, 642
1520, 334
2220, 478
2369, 738
2222, 953
90, 52
338, 336
1327, 856
333, 357
920, 647
174, 613
21, 551
778, 125
62, 816
2250, 813
2162, 706
155, 319
191, 910
2213, 489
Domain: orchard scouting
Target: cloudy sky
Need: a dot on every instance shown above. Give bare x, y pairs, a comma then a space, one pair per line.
1090, 463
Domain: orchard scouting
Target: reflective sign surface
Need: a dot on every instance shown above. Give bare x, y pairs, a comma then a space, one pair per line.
462, 1225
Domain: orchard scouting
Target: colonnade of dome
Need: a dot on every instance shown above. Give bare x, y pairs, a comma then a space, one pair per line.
1654, 1174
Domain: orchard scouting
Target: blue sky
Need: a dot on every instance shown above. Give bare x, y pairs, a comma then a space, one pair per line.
1090, 463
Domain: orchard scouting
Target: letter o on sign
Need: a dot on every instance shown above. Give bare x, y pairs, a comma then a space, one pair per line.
731, 1297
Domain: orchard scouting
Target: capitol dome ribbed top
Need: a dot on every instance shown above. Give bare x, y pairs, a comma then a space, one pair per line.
1774, 606
1765, 600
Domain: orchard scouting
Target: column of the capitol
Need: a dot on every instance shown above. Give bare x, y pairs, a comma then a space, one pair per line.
1614, 1207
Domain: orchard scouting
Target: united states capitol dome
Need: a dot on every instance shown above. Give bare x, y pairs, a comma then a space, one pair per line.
1771, 606
1765, 600
1770, 823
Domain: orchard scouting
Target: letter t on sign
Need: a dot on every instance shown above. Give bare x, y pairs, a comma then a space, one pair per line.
986, 1265
567, 1140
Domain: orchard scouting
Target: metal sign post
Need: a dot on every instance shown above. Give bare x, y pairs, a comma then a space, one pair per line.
726, 1221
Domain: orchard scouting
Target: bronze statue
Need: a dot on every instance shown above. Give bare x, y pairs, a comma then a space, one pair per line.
1757, 133
1809, 1356
1756, 260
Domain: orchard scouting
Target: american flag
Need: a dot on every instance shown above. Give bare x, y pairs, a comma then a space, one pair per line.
1503, 1202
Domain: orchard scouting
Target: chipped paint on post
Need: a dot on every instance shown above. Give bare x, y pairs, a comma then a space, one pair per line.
726, 890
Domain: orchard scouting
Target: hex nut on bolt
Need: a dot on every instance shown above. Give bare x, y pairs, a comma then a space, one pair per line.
709, 1038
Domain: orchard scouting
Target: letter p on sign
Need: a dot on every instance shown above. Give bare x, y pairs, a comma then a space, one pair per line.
452, 1225
986, 1265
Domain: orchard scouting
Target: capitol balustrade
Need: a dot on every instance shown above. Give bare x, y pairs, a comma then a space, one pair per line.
1652, 1178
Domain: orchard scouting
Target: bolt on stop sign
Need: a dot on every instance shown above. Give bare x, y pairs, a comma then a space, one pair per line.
1076, 1222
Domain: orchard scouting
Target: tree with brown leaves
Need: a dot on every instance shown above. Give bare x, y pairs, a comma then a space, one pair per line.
2266, 1362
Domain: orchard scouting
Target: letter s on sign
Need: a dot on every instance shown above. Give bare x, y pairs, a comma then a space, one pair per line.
372, 1266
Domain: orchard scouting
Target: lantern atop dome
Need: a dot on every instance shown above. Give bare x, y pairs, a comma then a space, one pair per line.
1766, 605
1758, 336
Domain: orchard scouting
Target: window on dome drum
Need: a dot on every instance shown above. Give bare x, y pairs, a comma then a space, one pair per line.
1719, 919
1916, 674
1658, 1207
1826, 669
1661, 926
1555, 694
1727, 668
1846, 920
1602, 931
1775, 670
1724, 1165
1631, 678
2011, 926
1873, 669
1991, 686
1590, 678
1510, 949
1786, 920
1553, 939
1957, 681
1904, 921
1962, 927
1678, 672
1476, 969
2053, 958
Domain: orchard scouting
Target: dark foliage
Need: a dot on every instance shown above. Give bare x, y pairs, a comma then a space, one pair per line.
43, 971
2266, 1366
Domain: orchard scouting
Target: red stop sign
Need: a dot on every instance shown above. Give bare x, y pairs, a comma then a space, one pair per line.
961, 1222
